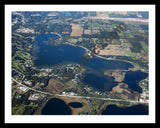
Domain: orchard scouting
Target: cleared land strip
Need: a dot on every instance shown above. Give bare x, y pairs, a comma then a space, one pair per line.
120, 19
77, 96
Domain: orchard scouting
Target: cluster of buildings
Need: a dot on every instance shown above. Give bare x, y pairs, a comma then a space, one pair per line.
35, 96
24, 89
144, 97
69, 93
25, 30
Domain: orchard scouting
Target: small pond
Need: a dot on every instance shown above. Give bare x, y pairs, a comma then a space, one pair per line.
56, 106
75, 104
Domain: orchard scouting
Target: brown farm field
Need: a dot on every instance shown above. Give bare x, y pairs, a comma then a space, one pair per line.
112, 49
122, 91
77, 30
55, 86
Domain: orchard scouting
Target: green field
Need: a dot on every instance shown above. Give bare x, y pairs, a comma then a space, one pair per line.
93, 24
19, 60
19, 67
131, 54
144, 46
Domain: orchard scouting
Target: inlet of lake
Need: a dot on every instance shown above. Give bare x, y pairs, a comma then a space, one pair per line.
49, 55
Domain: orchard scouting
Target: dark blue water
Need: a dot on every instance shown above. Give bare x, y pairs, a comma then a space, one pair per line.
75, 104
48, 54
95, 77
56, 106
100, 64
132, 78
102, 83
133, 110
41, 38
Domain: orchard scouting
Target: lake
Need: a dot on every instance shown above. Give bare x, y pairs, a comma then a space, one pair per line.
56, 106
132, 78
133, 110
48, 55
75, 104
102, 83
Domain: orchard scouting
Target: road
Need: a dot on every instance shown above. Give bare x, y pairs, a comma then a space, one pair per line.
31, 88
73, 96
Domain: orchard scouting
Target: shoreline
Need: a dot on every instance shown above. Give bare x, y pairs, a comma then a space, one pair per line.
135, 68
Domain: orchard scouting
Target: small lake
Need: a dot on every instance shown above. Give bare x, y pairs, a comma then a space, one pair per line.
48, 55
132, 78
75, 104
56, 106
133, 110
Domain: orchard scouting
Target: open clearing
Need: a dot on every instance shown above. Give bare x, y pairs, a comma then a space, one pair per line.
112, 49
55, 86
77, 30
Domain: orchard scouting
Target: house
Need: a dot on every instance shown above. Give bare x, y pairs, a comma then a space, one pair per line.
72, 94
25, 89
27, 82
63, 93
34, 97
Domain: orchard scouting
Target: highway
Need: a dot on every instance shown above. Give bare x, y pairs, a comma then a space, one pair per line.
73, 96
31, 88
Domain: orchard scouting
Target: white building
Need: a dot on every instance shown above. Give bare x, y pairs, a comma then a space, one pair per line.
25, 89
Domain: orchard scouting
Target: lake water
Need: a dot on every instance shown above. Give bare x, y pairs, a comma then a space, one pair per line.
56, 106
133, 110
47, 54
102, 83
75, 104
132, 78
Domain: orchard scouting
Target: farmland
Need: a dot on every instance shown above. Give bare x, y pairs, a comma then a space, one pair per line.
77, 30
112, 49
55, 86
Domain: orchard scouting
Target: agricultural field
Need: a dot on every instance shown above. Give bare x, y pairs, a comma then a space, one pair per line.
55, 86
77, 30
112, 49
144, 46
